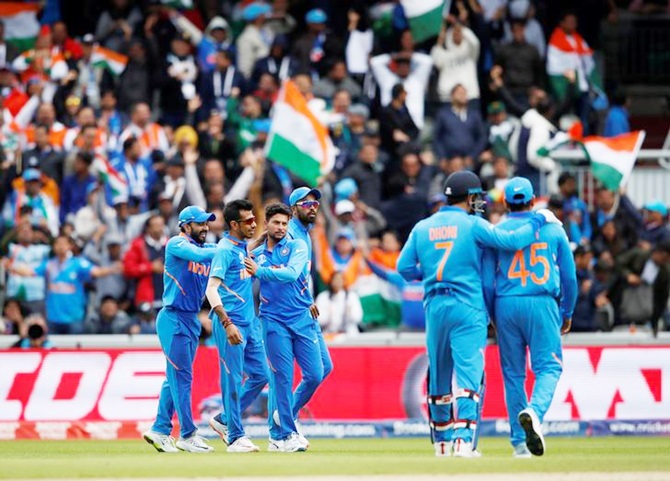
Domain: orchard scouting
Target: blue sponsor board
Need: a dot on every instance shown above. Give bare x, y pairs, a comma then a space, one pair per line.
419, 428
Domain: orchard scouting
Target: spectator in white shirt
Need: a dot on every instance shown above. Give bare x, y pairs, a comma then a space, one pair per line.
340, 310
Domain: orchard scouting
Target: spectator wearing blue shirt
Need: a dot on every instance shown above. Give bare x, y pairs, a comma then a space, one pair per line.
138, 172
575, 208
76, 187
459, 129
617, 120
66, 275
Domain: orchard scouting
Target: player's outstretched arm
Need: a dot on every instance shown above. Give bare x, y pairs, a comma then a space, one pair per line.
296, 265
183, 249
487, 235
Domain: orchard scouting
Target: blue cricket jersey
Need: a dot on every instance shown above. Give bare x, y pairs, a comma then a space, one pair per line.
187, 266
284, 276
65, 295
236, 288
446, 250
297, 230
546, 267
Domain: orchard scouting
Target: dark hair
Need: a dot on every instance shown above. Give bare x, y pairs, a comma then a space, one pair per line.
519, 207
14, 300
618, 97
108, 298
456, 199
544, 106
277, 208
129, 143
232, 210
86, 157
564, 177
397, 90
518, 21
148, 222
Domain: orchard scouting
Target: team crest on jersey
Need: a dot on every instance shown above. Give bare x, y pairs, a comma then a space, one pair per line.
284, 251
261, 259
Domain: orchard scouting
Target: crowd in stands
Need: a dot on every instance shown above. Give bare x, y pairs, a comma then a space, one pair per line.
178, 104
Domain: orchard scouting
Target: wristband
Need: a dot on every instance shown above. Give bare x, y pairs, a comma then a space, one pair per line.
227, 322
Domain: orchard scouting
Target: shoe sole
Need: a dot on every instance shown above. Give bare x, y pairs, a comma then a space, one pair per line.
534, 441
237, 450
213, 426
156, 446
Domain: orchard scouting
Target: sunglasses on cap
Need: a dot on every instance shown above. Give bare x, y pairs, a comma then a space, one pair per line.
308, 204
248, 221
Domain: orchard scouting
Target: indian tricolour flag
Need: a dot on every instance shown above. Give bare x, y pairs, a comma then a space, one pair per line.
297, 139
109, 59
613, 158
570, 53
110, 177
425, 17
21, 25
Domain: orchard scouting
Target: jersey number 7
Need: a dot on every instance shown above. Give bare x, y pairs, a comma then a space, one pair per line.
517, 269
446, 246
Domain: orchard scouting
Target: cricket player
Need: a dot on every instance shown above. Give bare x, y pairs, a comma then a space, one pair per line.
535, 295
282, 266
237, 330
304, 207
446, 251
187, 265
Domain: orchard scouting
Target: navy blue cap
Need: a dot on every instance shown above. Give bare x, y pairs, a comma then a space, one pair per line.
302, 192
193, 213
462, 183
518, 190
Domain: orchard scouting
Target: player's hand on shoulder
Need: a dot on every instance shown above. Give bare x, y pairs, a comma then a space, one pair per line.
549, 216
250, 265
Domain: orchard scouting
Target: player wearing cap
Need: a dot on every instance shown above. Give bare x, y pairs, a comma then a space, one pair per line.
236, 329
187, 265
445, 250
282, 266
535, 295
304, 207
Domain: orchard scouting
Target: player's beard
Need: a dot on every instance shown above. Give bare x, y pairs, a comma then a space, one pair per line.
306, 217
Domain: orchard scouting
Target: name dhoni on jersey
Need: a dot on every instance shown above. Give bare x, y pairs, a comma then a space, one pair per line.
443, 232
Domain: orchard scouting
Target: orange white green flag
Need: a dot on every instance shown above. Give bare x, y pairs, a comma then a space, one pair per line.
297, 139
21, 25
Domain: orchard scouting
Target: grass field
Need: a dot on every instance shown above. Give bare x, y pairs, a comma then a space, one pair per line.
135, 459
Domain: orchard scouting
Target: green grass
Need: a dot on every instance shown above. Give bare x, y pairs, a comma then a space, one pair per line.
82, 459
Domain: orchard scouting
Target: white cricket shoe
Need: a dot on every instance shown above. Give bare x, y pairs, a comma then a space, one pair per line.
303, 440
534, 438
521, 451
275, 445
162, 442
243, 445
463, 449
443, 449
292, 444
194, 444
217, 425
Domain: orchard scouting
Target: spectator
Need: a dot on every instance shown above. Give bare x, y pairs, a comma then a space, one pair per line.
591, 294
498, 179
43, 211
610, 206
340, 310
35, 334
63, 44
354, 214
117, 24
217, 36
521, 63
500, 128
576, 208
279, 63
242, 120
76, 186
106, 250
647, 284
13, 315
27, 249
136, 85
349, 139
455, 55
366, 175
395, 122
220, 84
317, 44
137, 171
112, 120
280, 21
46, 115
336, 79
179, 73
617, 121
43, 156
150, 135
655, 224
412, 72
254, 42
609, 244
342, 258
445, 167
213, 143
109, 319
459, 129
533, 32
144, 262
65, 276
144, 321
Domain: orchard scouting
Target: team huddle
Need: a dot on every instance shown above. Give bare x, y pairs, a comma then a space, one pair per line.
521, 275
